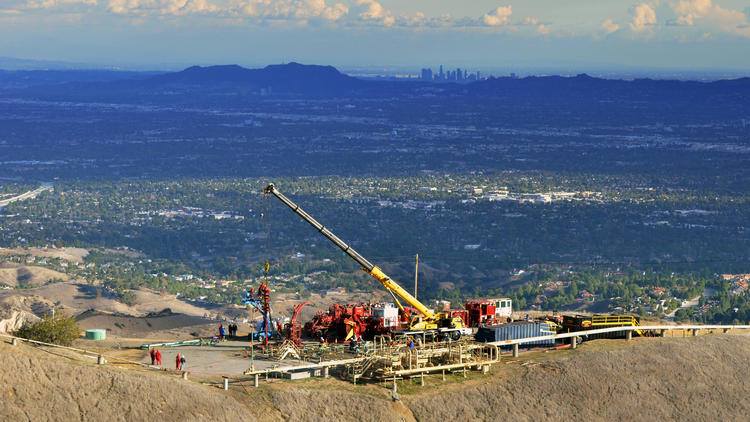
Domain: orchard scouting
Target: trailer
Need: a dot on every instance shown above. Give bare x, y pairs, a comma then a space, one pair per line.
583, 323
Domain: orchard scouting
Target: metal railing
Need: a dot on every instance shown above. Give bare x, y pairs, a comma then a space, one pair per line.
584, 333
86, 353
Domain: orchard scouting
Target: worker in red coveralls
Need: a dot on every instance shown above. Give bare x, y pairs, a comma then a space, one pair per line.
152, 353
178, 361
158, 357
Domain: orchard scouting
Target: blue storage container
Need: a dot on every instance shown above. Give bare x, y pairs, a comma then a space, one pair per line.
515, 331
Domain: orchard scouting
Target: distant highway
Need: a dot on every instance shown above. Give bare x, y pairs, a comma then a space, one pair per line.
27, 195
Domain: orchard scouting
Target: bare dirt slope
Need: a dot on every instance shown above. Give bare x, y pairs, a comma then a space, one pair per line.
17, 310
74, 297
691, 379
36, 386
13, 275
331, 401
696, 379
68, 254
129, 326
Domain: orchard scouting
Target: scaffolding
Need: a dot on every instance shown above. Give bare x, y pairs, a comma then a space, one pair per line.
399, 361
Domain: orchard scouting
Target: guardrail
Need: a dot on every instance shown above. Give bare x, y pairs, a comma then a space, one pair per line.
101, 359
585, 333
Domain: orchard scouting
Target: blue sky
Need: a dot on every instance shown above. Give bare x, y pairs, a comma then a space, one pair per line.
575, 34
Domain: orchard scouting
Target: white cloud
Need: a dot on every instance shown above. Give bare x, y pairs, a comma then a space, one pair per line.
164, 7
420, 20
49, 4
301, 10
178, 7
335, 12
644, 17
541, 27
688, 10
705, 15
693, 12
498, 17
609, 26
375, 11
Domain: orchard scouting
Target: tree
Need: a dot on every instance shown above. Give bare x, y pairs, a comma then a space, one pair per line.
60, 330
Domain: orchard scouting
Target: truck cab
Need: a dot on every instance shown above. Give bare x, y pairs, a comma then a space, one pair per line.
503, 308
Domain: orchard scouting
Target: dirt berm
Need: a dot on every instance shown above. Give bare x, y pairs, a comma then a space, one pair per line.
695, 379
703, 378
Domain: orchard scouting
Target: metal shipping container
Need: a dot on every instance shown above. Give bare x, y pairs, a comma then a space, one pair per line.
515, 331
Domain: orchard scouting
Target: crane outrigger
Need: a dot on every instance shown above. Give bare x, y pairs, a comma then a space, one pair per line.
427, 320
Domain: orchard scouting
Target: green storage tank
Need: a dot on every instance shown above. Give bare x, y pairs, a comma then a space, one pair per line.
96, 334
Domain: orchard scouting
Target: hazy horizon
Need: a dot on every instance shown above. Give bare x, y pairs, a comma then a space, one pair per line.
588, 35
604, 71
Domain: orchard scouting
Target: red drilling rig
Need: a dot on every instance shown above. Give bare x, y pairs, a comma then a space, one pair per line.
292, 329
339, 322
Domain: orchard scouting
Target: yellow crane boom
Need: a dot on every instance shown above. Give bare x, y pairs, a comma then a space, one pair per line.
366, 265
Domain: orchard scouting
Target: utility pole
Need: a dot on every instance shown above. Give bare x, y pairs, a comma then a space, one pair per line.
416, 275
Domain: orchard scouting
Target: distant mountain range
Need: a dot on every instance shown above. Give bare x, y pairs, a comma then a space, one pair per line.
286, 78
297, 79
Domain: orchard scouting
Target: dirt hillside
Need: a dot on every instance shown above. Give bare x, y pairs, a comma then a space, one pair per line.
37, 386
16, 310
691, 379
129, 326
695, 379
75, 297
28, 276
68, 254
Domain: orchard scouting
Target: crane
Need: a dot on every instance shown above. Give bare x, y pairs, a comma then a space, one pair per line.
426, 320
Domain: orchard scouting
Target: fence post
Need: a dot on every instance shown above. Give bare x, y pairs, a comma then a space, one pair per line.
226, 383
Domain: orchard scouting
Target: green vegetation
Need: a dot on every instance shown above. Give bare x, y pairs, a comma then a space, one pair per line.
51, 329
621, 243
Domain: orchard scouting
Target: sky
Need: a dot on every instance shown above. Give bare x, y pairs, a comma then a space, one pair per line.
511, 34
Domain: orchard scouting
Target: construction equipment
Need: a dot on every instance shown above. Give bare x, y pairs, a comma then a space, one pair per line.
292, 329
489, 311
591, 322
340, 322
425, 320
261, 300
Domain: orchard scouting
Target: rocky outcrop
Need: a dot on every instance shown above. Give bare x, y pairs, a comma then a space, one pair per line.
13, 320
16, 310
